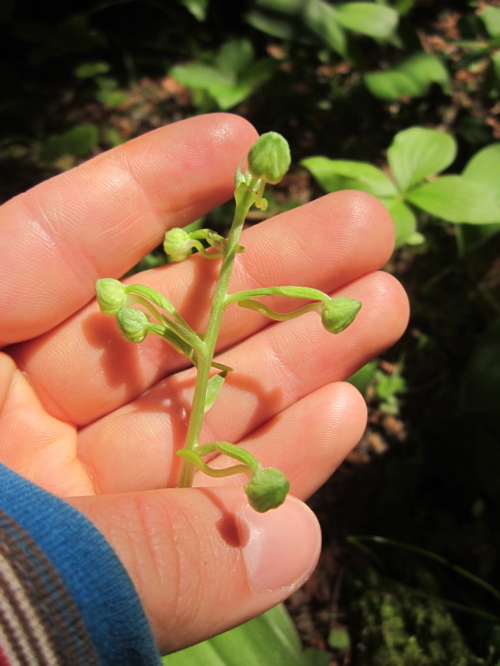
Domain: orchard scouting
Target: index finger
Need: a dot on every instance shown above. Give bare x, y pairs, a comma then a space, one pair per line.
104, 216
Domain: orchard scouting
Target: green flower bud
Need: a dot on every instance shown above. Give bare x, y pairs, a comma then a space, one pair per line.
133, 324
339, 313
111, 296
269, 157
267, 489
178, 244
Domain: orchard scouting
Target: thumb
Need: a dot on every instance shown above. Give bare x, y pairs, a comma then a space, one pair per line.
201, 559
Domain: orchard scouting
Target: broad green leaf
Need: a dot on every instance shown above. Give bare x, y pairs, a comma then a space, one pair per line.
417, 153
275, 26
491, 19
363, 377
78, 142
411, 78
484, 167
229, 96
341, 174
457, 199
424, 69
322, 20
198, 75
270, 638
215, 384
368, 18
234, 57
405, 223
391, 85
198, 8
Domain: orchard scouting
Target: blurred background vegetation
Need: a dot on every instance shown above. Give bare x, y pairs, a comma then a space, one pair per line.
410, 567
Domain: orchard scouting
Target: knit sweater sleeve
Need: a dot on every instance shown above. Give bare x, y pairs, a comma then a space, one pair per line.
65, 597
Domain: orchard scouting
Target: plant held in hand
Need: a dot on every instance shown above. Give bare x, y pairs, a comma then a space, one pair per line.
268, 161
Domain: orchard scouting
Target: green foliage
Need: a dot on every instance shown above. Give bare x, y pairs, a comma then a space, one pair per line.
76, 142
268, 639
411, 78
226, 78
415, 156
198, 8
324, 22
402, 628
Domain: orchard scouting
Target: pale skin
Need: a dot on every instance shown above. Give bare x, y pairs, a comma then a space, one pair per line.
74, 417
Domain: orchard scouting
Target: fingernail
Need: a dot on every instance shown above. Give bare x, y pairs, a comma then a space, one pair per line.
281, 547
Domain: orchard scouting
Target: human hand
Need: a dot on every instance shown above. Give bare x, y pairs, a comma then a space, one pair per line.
96, 420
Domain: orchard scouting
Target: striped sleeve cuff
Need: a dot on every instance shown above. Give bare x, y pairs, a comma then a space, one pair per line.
65, 598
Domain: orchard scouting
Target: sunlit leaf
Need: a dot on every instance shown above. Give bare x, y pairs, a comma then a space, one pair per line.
484, 166
417, 153
234, 56
391, 85
322, 20
424, 69
405, 223
341, 174
270, 638
457, 199
491, 19
368, 18
198, 8
411, 78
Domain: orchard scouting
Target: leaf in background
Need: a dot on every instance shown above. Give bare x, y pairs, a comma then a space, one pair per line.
198, 8
88, 70
367, 18
77, 142
484, 167
411, 78
270, 638
405, 223
282, 28
491, 19
333, 175
322, 20
417, 153
294, 19
457, 199
282, 6
234, 57
424, 69
391, 85
363, 377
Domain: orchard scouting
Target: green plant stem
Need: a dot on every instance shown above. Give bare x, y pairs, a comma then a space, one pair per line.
212, 332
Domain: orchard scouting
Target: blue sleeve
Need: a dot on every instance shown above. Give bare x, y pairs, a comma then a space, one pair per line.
65, 597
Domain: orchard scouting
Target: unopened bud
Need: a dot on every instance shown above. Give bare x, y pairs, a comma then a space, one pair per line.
177, 244
133, 324
269, 157
267, 489
339, 313
111, 296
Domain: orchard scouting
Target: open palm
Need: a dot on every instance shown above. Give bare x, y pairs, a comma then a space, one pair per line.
97, 420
